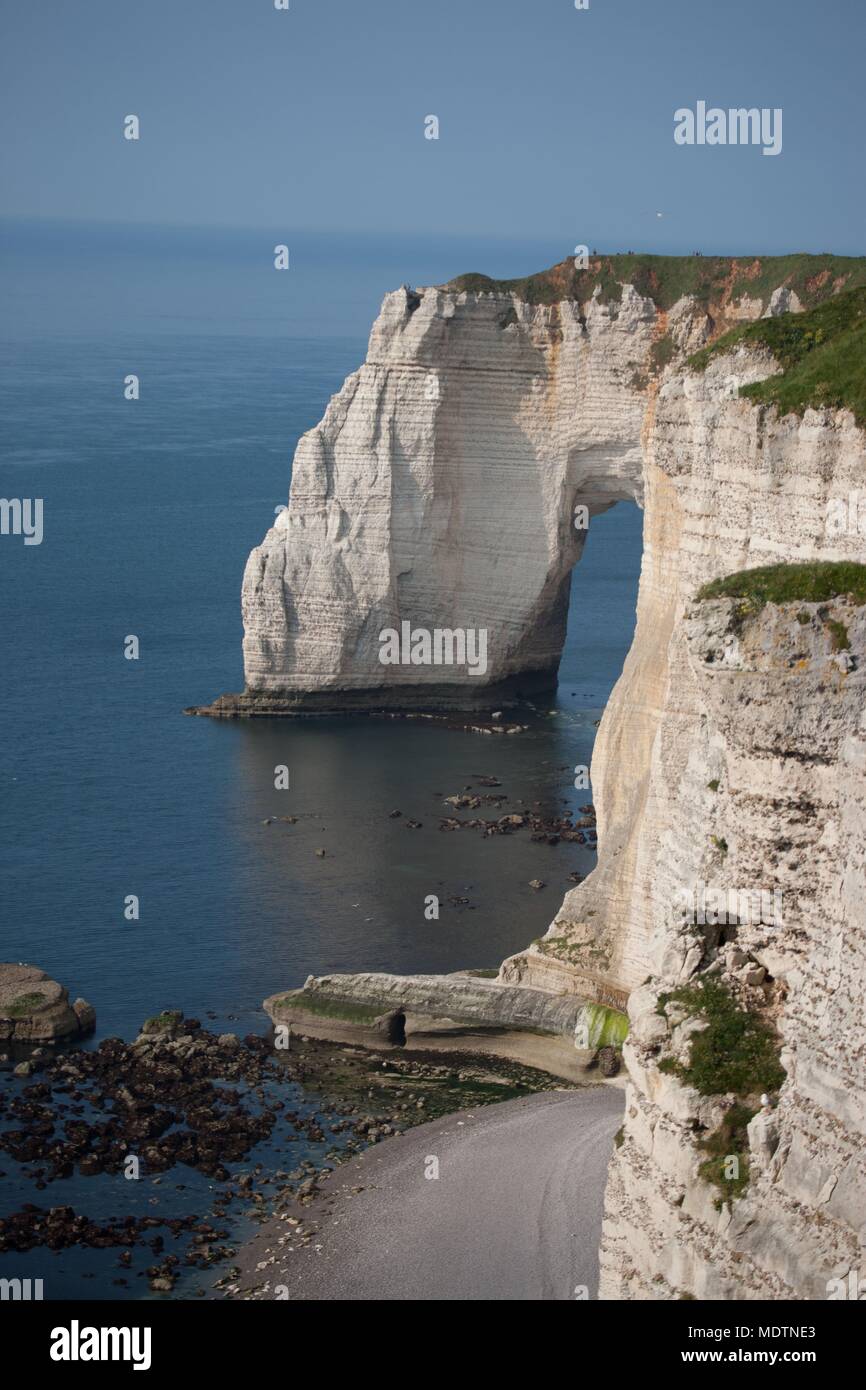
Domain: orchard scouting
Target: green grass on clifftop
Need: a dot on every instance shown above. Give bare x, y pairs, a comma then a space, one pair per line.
813, 582
716, 280
822, 352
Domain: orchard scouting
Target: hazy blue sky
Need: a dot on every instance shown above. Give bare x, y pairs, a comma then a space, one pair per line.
555, 123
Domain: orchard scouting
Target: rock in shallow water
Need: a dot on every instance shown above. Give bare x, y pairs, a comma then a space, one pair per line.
34, 1008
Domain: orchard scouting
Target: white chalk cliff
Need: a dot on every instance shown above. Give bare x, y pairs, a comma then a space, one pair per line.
736, 760
440, 488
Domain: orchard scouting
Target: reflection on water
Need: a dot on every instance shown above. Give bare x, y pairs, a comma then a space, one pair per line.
106, 790
362, 904
109, 791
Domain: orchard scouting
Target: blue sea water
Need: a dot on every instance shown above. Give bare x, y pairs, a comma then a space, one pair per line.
150, 510
106, 790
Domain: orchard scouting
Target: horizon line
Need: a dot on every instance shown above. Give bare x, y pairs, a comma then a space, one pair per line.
383, 234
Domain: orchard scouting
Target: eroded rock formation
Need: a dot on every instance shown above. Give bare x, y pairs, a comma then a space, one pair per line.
464, 1010
441, 488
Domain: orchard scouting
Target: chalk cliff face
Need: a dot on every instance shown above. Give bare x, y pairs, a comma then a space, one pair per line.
440, 488
736, 760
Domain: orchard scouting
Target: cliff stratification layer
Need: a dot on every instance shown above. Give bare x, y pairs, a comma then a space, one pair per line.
439, 490
746, 780
442, 489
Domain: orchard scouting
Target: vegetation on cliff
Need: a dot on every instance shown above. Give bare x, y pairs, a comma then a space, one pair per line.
712, 280
737, 1051
822, 353
729, 1142
816, 581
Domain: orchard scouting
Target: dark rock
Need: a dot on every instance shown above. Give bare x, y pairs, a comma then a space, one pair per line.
609, 1061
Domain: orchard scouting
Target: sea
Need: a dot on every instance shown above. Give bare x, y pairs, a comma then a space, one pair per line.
107, 791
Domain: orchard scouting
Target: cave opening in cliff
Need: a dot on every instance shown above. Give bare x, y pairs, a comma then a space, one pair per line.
397, 1029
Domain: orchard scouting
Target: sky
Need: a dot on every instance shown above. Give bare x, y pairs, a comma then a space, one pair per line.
555, 124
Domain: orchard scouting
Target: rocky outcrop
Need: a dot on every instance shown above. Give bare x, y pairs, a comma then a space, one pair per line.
442, 489
34, 1008
448, 488
463, 1011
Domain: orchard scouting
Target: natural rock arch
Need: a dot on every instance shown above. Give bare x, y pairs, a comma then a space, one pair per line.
448, 510
455, 506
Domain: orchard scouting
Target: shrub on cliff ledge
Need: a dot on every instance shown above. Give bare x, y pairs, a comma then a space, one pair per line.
822, 353
729, 1142
814, 582
736, 1052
